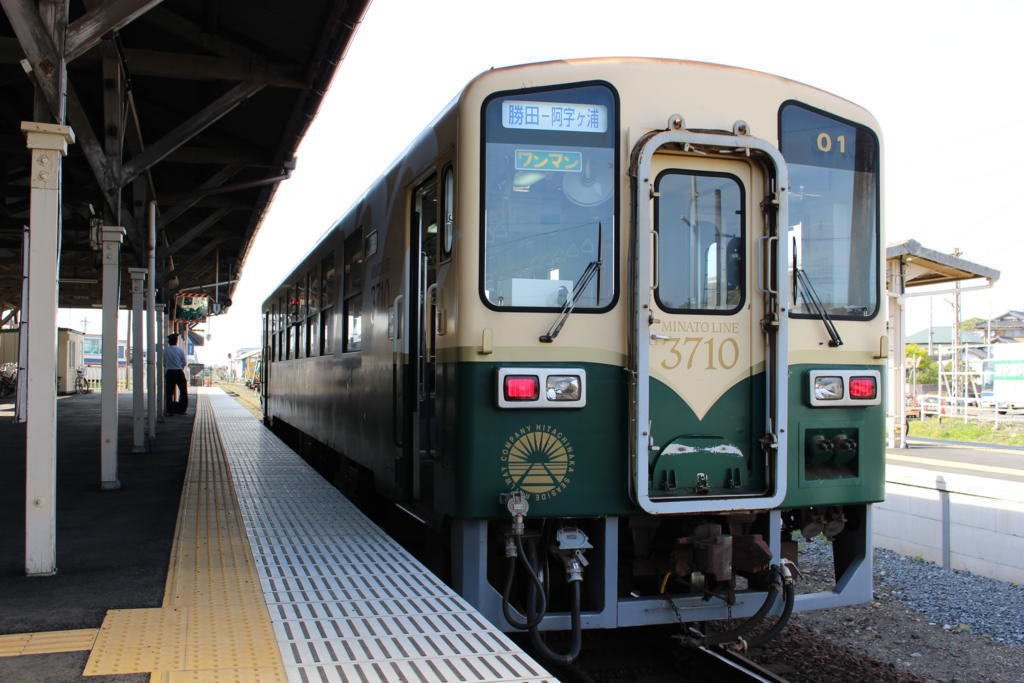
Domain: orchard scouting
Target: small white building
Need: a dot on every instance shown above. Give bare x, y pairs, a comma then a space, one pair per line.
237, 362
70, 355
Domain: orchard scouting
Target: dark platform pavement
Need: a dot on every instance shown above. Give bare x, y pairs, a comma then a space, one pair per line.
112, 546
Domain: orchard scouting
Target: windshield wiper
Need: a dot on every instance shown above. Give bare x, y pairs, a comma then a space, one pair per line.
570, 303
811, 296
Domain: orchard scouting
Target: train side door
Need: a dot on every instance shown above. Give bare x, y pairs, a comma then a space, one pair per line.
423, 283
705, 339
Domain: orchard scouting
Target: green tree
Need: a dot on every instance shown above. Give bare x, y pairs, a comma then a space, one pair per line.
970, 323
926, 368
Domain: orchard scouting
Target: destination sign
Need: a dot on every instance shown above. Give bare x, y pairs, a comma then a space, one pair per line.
561, 116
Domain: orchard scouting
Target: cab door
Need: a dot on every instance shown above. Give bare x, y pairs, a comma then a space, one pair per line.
423, 346
706, 343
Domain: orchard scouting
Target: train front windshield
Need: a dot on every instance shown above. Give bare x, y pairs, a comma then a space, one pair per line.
549, 198
833, 210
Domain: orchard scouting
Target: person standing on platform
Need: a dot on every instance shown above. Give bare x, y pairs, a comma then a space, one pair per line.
174, 377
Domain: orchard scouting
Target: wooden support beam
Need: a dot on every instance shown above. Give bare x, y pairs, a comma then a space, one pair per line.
187, 66
113, 120
37, 44
180, 27
194, 232
214, 181
89, 29
188, 129
205, 68
219, 156
61, 98
195, 258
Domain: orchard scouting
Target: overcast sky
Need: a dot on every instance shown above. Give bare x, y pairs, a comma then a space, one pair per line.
943, 79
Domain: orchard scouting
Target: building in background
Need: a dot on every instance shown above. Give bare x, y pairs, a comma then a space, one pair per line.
70, 356
1007, 327
242, 364
93, 359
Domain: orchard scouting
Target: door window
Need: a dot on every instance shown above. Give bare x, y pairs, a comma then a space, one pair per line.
699, 219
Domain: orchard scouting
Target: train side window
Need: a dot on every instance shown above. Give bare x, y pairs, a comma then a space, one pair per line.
448, 212
328, 284
353, 290
313, 313
295, 326
271, 333
282, 329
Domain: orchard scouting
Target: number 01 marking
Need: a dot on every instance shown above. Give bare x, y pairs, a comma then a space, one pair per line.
825, 143
726, 352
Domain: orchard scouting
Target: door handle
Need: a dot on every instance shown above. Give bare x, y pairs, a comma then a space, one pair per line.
428, 319
765, 252
655, 266
396, 313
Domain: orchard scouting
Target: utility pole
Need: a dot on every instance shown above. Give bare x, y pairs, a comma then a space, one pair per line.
959, 378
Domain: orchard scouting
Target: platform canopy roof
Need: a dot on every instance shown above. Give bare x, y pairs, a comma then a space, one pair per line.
199, 104
923, 266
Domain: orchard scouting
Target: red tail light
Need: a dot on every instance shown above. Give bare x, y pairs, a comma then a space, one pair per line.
522, 388
863, 387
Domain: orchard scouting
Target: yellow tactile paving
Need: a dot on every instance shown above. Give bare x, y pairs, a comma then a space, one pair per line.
248, 674
137, 640
46, 642
214, 624
60, 641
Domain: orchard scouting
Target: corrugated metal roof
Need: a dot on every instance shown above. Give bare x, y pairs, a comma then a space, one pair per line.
181, 63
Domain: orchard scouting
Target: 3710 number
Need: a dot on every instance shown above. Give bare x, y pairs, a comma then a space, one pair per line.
724, 354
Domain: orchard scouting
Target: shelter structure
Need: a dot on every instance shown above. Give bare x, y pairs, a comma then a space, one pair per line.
157, 133
910, 266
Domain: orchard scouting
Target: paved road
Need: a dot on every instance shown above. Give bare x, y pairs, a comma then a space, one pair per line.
994, 462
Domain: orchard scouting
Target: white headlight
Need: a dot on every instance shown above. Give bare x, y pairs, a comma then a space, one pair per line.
563, 388
827, 388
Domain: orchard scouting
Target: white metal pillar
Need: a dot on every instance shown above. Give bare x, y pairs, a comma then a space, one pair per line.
161, 344
20, 409
111, 237
896, 436
138, 276
49, 143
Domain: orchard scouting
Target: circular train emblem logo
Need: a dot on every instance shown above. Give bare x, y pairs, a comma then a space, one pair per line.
538, 459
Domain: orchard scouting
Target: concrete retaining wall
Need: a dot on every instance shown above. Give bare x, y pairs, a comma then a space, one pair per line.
955, 520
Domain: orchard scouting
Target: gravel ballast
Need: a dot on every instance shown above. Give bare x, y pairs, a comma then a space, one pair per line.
955, 599
925, 623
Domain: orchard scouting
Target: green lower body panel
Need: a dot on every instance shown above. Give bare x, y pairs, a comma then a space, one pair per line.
717, 455
836, 455
573, 462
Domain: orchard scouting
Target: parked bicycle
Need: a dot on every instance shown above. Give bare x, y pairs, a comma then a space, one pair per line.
81, 384
8, 379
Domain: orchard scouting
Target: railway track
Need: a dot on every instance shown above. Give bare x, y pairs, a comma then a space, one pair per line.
649, 655
720, 664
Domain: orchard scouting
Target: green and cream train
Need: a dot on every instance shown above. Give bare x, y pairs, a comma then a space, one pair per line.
609, 334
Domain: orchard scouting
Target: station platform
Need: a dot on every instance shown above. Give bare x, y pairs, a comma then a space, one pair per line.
960, 506
275, 576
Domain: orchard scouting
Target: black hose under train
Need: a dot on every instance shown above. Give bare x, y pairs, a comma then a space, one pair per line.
789, 596
751, 623
506, 596
576, 644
